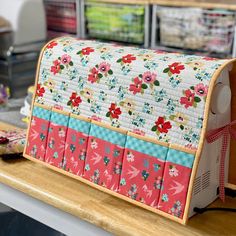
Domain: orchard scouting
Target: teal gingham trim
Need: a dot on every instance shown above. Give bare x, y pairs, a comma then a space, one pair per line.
147, 148
181, 158
108, 135
79, 125
41, 113
59, 119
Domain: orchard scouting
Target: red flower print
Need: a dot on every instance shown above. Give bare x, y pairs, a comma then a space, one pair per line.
93, 77
128, 58
40, 91
176, 67
114, 111
56, 67
52, 44
65, 59
201, 89
188, 100
104, 67
87, 50
137, 86
162, 126
74, 100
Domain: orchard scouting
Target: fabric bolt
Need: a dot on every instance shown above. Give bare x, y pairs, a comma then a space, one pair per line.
76, 146
38, 133
176, 177
56, 139
142, 171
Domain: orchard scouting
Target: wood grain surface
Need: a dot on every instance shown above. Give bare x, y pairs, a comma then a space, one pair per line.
103, 210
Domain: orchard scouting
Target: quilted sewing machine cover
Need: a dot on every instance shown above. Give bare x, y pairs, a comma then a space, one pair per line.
128, 121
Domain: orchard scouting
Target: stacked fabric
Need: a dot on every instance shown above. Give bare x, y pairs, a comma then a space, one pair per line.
197, 29
61, 16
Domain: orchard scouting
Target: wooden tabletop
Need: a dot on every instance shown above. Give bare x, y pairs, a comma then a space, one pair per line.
103, 210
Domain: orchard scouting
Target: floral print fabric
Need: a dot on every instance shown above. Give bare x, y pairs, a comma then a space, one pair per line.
155, 94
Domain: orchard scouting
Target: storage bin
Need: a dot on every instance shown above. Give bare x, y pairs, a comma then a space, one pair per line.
203, 30
62, 17
127, 23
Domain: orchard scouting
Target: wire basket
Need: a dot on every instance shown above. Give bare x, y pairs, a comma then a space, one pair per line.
116, 22
196, 29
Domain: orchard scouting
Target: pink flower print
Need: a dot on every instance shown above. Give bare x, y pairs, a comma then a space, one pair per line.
94, 117
201, 89
94, 144
65, 59
173, 172
130, 157
61, 133
188, 100
137, 86
149, 77
139, 132
58, 107
104, 67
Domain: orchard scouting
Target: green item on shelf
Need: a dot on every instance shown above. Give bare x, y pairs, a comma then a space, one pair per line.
116, 22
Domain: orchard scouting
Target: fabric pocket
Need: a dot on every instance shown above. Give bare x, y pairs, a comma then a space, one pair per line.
176, 177
76, 144
56, 138
104, 156
38, 132
142, 171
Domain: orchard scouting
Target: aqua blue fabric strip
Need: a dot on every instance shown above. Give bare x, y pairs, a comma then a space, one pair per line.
181, 158
59, 119
41, 113
147, 148
79, 125
108, 135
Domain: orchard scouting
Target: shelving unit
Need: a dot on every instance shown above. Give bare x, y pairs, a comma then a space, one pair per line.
206, 27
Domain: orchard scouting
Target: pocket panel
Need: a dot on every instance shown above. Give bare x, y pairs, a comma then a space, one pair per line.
176, 178
38, 132
104, 156
142, 171
56, 139
76, 145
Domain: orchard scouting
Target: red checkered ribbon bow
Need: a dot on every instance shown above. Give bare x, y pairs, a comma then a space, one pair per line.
225, 132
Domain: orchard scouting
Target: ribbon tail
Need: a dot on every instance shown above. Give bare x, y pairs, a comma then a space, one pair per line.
222, 166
